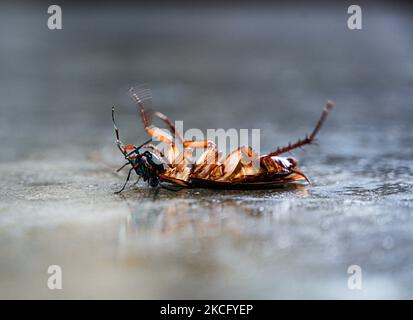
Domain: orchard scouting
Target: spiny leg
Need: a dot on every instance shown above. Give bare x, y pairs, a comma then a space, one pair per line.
169, 124
143, 98
119, 143
308, 138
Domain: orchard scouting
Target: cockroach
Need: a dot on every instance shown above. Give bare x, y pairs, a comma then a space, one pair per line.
173, 169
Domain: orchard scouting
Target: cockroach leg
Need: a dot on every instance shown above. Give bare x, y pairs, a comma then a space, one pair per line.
143, 98
301, 174
126, 182
173, 170
144, 144
171, 188
308, 138
199, 144
169, 124
159, 134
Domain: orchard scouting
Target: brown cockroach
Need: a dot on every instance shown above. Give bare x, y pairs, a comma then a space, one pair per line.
235, 171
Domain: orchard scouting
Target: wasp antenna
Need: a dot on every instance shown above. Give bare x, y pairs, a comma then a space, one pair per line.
114, 124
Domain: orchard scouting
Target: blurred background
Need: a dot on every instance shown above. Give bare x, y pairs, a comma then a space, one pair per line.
219, 65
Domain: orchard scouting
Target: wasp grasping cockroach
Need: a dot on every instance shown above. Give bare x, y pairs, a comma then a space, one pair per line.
235, 171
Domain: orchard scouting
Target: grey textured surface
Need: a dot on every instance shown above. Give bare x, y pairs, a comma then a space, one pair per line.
266, 67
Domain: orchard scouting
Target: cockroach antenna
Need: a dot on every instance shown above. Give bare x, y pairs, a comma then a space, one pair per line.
309, 139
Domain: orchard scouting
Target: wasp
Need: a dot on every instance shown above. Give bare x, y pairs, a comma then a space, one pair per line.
174, 170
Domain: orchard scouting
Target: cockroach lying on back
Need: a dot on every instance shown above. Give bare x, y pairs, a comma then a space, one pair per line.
235, 171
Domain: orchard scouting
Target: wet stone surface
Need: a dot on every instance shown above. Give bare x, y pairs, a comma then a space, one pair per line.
269, 68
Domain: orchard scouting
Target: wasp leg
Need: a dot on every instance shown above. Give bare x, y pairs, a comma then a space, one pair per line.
137, 180
126, 182
308, 138
158, 134
156, 151
169, 124
143, 98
